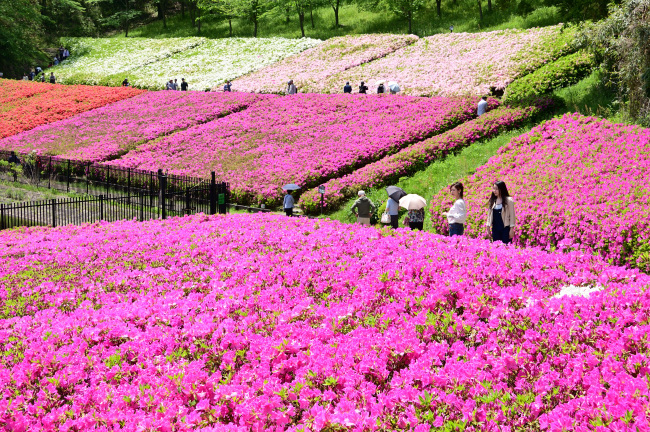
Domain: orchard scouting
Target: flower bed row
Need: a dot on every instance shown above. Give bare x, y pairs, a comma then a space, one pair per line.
26, 105
563, 72
151, 63
310, 68
579, 182
460, 63
412, 158
303, 139
112, 130
246, 323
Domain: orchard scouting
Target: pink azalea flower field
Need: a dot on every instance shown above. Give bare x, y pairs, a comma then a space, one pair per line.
309, 69
460, 64
114, 129
302, 139
413, 158
579, 182
256, 323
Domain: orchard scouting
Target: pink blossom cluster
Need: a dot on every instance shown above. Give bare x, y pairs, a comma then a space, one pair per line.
303, 139
413, 158
309, 69
578, 182
110, 131
460, 64
255, 323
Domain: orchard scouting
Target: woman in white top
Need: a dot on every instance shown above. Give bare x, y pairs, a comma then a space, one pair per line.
457, 215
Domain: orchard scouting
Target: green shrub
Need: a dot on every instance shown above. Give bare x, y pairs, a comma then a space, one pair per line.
563, 72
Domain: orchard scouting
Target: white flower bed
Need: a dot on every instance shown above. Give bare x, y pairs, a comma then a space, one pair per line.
150, 63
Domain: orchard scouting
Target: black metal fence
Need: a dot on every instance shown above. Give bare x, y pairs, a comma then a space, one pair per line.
110, 193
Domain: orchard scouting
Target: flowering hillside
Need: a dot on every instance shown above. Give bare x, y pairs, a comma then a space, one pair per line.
578, 182
112, 130
93, 60
302, 139
25, 104
240, 323
310, 68
460, 63
150, 63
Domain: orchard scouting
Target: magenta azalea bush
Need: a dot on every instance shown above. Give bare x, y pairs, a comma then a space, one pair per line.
240, 323
310, 68
302, 139
110, 131
578, 182
460, 64
413, 158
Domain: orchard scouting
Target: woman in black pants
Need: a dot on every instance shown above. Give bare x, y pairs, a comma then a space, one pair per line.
501, 214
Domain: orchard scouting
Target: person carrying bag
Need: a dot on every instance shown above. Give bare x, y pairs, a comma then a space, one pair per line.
501, 216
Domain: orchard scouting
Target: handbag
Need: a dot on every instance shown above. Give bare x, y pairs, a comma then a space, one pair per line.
407, 221
385, 218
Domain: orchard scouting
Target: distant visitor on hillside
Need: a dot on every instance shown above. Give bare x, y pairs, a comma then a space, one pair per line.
176, 84
363, 88
291, 88
347, 88
380, 88
482, 106
125, 83
56, 61
13, 158
227, 87
52, 78
184, 84
170, 85
362, 207
501, 217
288, 203
457, 215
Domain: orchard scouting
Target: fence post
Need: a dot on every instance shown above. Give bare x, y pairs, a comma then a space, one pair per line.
128, 185
213, 194
53, 212
141, 206
67, 187
87, 177
49, 177
223, 198
108, 174
188, 209
162, 194
2, 216
101, 207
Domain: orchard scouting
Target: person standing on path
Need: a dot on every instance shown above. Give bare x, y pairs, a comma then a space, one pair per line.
392, 208
183, 84
288, 204
482, 106
52, 78
363, 88
170, 85
381, 89
291, 88
347, 88
501, 217
416, 219
176, 84
457, 215
227, 87
362, 206
125, 83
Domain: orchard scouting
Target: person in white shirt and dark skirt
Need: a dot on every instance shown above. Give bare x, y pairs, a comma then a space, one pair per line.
288, 204
457, 215
501, 214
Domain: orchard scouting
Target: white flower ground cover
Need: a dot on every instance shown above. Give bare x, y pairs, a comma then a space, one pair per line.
218, 60
150, 63
103, 61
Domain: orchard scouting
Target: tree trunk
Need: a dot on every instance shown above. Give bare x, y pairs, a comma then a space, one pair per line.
438, 7
193, 13
43, 7
126, 32
410, 17
286, 12
164, 14
480, 10
336, 14
311, 15
255, 26
198, 11
489, 5
301, 18
183, 9
230, 26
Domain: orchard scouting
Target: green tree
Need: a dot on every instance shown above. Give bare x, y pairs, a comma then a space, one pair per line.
621, 44
405, 9
582, 10
20, 33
